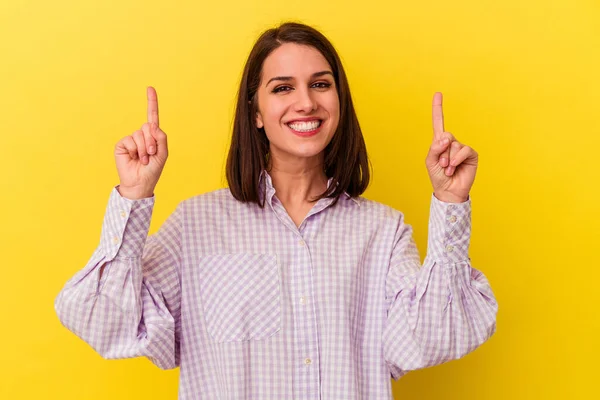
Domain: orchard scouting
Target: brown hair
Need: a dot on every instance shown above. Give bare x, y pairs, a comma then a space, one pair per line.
345, 158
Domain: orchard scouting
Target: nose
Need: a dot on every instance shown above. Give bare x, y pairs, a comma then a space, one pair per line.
305, 102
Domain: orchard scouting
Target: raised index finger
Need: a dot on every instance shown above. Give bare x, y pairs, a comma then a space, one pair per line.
438, 116
152, 105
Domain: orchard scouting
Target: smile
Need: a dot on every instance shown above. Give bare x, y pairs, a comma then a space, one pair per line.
305, 128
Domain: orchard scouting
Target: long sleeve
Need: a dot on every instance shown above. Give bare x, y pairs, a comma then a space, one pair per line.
445, 308
131, 308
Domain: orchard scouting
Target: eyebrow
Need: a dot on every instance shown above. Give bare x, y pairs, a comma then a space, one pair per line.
289, 78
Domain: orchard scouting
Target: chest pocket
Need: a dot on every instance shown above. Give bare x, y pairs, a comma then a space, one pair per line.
240, 296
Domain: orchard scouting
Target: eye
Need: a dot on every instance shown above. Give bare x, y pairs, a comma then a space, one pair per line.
321, 85
282, 88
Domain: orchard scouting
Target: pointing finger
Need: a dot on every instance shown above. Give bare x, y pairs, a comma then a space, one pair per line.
152, 105
438, 116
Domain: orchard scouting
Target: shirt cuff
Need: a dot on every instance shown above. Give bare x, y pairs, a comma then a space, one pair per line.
126, 225
449, 231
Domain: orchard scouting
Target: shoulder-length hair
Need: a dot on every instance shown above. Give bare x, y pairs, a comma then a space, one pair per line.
345, 158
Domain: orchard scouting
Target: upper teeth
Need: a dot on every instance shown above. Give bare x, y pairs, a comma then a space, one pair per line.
304, 126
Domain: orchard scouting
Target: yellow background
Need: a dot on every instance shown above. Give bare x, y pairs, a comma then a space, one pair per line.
521, 86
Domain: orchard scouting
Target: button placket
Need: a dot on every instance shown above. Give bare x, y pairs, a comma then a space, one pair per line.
305, 334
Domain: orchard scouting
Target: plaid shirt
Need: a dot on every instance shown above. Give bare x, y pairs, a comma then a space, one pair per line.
250, 306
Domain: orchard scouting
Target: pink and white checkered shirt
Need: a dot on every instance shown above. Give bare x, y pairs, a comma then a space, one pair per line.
249, 306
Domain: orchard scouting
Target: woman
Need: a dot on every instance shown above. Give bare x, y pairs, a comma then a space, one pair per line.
287, 284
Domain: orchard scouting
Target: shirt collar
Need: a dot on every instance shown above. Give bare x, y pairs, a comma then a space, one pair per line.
266, 186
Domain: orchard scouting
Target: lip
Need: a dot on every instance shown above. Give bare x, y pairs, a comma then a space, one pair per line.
305, 119
307, 133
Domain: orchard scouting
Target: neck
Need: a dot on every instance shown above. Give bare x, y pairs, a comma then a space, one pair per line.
297, 183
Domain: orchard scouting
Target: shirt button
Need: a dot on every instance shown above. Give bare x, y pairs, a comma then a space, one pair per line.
453, 218
449, 249
115, 239
123, 214
307, 361
302, 300
301, 242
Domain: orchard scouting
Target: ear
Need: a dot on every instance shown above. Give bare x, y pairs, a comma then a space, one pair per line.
259, 121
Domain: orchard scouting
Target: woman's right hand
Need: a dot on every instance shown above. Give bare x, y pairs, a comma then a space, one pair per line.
141, 156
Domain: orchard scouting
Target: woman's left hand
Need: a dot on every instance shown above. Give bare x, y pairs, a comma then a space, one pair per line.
451, 165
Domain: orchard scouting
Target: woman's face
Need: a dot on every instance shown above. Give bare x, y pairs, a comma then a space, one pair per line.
298, 105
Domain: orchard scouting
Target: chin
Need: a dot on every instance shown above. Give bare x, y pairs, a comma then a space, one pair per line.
306, 153
293, 150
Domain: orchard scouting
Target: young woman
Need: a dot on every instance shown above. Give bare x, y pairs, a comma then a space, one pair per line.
288, 284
